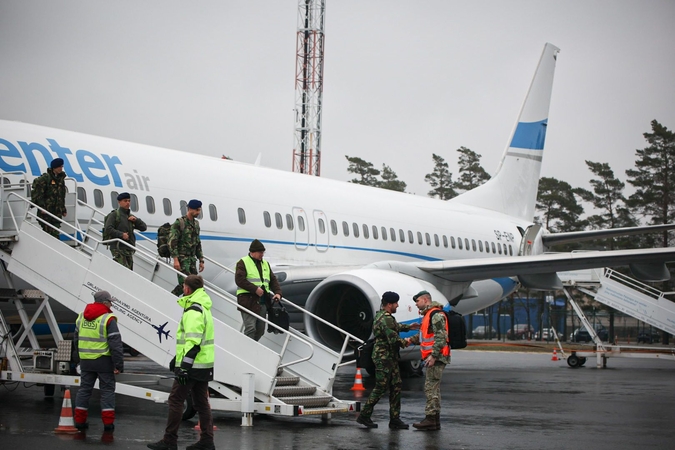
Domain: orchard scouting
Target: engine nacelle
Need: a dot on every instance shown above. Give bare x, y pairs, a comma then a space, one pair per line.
350, 299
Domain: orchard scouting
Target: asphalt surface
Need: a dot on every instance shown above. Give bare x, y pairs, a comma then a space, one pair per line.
491, 400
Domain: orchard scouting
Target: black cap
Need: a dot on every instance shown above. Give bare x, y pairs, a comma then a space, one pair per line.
58, 162
123, 196
256, 246
389, 297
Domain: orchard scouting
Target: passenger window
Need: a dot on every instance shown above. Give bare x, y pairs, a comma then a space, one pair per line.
167, 207
419, 238
365, 231
267, 219
301, 223
213, 212
392, 234
401, 235
480, 246
374, 232
384, 233
460, 245
134, 203
499, 248
466, 243
278, 220
150, 204
81, 194
355, 227
242, 216
445, 241
322, 226
428, 238
436, 241
333, 227
452, 241
411, 239
183, 207
113, 199
510, 250
289, 222
487, 247
505, 250
493, 248
345, 229
473, 244
98, 198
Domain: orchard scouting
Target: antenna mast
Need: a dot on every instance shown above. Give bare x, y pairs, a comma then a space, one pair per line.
309, 87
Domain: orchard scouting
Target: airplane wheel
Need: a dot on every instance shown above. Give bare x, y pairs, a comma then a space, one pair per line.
188, 408
573, 361
582, 361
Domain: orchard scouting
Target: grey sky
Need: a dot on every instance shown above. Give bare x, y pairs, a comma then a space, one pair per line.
403, 79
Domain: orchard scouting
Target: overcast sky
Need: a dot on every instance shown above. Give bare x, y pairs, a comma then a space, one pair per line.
403, 79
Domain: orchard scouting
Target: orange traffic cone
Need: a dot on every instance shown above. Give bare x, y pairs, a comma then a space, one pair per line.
66, 422
555, 356
358, 381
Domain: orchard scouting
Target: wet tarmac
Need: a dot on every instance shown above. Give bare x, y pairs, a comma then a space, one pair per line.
491, 400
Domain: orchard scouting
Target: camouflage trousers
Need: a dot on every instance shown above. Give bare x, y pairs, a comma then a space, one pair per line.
432, 388
188, 265
47, 228
124, 256
387, 376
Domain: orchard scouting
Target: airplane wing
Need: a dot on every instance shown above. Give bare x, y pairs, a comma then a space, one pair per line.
484, 268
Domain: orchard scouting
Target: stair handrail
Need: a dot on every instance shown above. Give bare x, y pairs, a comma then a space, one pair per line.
151, 257
634, 284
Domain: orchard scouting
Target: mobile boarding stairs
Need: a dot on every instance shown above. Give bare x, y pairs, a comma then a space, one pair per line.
628, 296
285, 374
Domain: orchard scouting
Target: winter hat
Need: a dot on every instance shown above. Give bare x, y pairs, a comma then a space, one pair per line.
256, 246
194, 204
123, 195
102, 296
58, 162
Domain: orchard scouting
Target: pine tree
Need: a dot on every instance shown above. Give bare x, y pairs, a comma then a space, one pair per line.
390, 180
364, 169
440, 180
654, 179
561, 210
471, 172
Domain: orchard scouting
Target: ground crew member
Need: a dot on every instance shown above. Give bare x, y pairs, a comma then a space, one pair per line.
385, 356
433, 340
255, 281
195, 357
121, 224
99, 350
49, 192
185, 245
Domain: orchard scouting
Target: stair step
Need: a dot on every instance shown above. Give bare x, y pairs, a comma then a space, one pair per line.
293, 391
287, 381
314, 401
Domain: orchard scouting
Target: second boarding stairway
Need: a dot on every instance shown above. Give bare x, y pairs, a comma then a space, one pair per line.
289, 373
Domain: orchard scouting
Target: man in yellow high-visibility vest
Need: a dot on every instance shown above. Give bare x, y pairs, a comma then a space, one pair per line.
255, 281
99, 349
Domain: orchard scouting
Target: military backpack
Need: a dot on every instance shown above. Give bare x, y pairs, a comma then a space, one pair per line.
456, 328
163, 234
106, 234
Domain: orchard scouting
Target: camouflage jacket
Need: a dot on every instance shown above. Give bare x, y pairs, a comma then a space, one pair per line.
116, 228
440, 335
387, 340
184, 239
49, 192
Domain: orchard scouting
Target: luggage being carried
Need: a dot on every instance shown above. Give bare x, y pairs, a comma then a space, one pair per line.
364, 356
278, 315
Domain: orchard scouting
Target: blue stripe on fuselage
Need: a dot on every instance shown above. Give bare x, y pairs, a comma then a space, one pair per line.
530, 135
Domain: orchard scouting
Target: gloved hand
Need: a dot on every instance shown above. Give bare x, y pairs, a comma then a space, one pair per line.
181, 375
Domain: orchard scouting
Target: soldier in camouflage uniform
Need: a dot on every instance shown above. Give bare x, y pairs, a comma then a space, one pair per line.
49, 192
185, 245
433, 339
121, 224
385, 356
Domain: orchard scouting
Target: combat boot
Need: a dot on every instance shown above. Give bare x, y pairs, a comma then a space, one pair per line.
438, 421
365, 421
429, 423
398, 424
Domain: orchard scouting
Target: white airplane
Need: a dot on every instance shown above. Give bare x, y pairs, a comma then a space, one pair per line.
336, 246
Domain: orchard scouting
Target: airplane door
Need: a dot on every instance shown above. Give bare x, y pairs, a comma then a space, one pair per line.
301, 229
321, 227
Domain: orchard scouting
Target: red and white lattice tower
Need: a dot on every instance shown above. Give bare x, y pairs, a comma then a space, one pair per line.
309, 87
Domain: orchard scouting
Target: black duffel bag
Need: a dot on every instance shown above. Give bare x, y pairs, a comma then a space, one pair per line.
277, 315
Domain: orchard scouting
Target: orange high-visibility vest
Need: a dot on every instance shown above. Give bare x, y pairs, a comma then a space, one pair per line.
427, 335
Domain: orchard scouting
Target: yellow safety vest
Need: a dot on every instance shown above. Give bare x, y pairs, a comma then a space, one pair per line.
93, 336
253, 274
